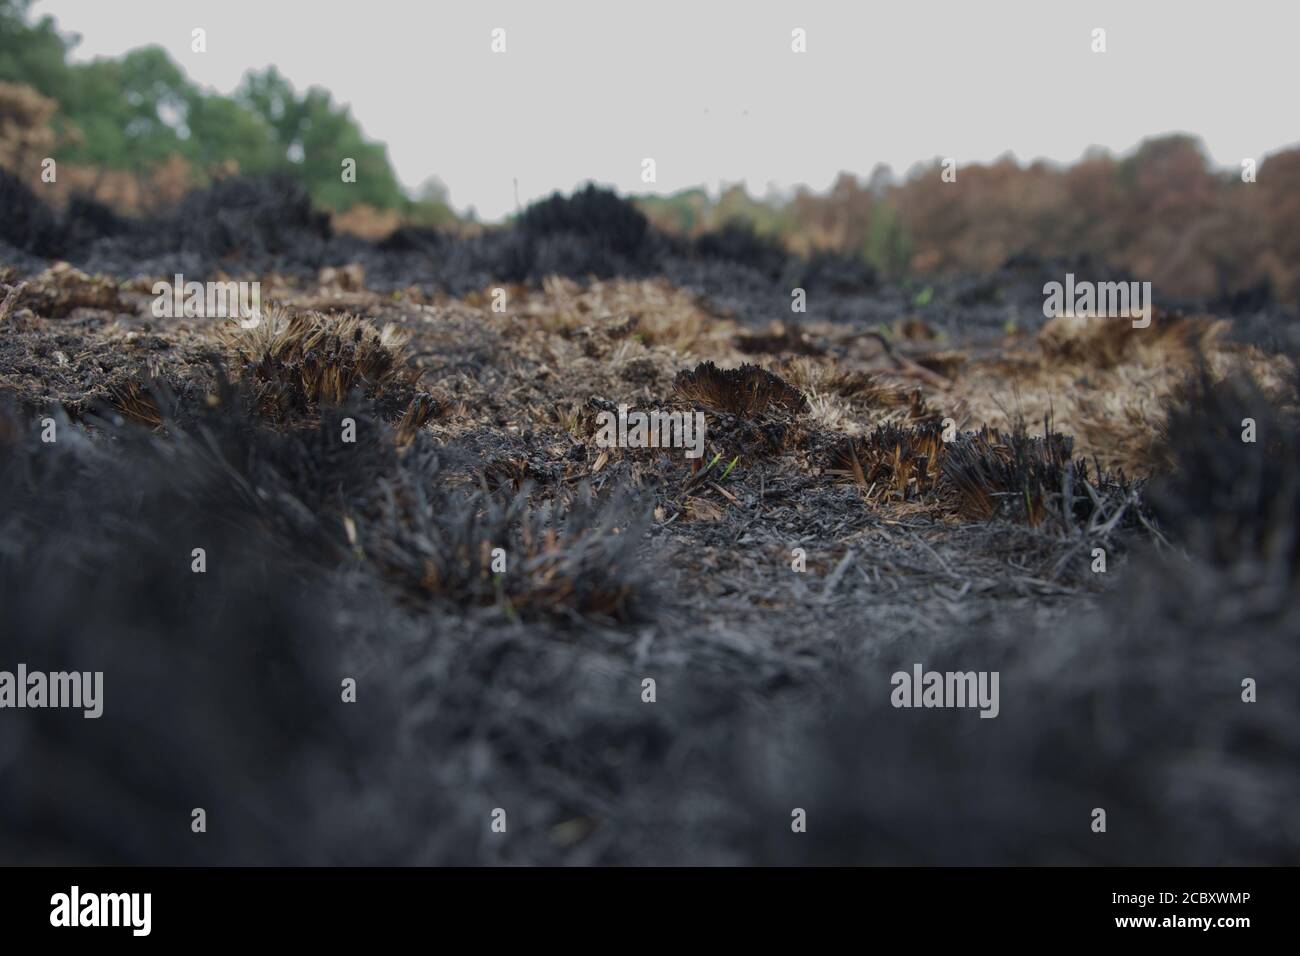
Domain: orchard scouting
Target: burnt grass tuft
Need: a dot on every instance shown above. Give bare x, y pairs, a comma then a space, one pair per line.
375, 560
988, 475
295, 363
1031, 479
1230, 501
892, 463
747, 391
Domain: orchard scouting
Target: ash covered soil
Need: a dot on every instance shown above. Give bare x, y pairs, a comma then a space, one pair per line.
475, 429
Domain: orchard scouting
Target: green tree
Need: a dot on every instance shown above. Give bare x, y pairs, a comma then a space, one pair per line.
888, 248
313, 137
34, 54
219, 129
134, 112
431, 206
128, 110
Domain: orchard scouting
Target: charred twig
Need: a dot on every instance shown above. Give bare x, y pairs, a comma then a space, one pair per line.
838, 573
906, 364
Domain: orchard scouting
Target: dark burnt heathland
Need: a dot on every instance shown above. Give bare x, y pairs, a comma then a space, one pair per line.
884, 483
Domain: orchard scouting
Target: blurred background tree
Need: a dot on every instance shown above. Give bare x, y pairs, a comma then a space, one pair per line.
137, 112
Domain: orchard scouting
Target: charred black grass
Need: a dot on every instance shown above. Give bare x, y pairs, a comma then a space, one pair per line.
567, 558
27, 223
1134, 708
391, 502
261, 219
1030, 479
216, 684
1137, 707
1227, 499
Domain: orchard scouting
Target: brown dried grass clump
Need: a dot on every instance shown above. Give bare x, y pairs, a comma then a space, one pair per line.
60, 290
1106, 343
886, 402
853, 401
821, 375
296, 362
9, 299
1106, 383
25, 130
651, 311
367, 221
748, 391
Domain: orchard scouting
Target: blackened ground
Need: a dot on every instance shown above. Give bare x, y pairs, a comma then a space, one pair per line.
223, 689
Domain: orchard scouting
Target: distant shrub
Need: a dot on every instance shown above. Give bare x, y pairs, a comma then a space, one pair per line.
739, 241
591, 212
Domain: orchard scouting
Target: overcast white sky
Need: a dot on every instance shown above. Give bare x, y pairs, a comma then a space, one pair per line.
711, 90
